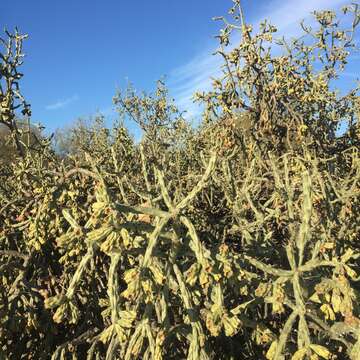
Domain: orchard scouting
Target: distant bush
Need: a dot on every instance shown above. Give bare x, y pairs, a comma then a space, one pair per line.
29, 139
238, 239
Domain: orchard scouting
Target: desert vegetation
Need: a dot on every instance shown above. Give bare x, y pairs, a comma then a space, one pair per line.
235, 239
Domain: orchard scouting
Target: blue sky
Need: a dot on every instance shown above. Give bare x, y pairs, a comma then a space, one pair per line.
79, 52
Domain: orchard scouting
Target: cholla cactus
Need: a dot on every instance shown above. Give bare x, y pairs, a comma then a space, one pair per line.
10, 96
235, 240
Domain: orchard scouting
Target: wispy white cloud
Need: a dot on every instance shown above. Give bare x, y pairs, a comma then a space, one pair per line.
196, 75
62, 103
351, 74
